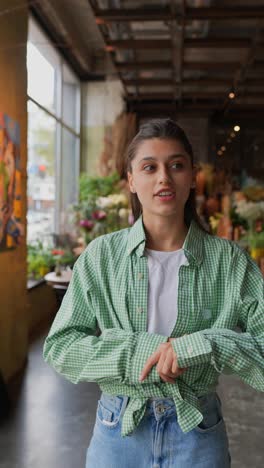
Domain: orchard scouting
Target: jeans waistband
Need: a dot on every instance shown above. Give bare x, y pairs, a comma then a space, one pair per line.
201, 398
160, 399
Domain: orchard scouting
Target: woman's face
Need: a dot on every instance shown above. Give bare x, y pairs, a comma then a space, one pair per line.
162, 176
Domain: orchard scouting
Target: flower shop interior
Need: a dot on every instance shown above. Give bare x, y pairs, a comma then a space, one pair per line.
82, 76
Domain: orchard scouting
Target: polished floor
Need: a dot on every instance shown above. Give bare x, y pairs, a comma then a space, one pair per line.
52, 423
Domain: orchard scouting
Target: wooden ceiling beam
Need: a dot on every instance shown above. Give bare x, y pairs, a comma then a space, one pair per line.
172, 109
162, 96
241, 72
196, 43
159, 108
150, 82
186, 82
163, 65
192, 82
187, 105
226, 13
226, 66
178, 39
159, 105
133, 14
131, 66
217, 42
139, 44
165, 14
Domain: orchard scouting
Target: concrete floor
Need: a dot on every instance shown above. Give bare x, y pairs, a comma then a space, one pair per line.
52, 422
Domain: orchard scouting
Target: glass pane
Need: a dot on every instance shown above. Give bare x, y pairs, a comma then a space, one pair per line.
41, 78
41, 175
69, 173
43, 65
70, 99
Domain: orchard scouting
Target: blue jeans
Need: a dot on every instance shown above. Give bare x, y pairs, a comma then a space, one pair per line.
158, 441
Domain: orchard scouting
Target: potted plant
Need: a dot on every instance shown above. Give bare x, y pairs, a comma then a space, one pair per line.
40, 260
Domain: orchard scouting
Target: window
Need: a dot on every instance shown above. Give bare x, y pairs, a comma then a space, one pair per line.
41, 173
53, 137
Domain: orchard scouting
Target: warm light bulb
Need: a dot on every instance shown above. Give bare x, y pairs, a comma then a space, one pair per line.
231, 95
99, 21
109, 48
219, 152
223, 148
236, 128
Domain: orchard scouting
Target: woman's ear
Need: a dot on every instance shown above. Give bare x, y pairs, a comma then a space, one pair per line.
130, 182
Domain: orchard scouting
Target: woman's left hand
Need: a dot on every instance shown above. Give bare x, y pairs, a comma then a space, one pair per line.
167, 365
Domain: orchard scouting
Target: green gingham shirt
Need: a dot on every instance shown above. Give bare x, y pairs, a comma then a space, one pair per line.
220, 308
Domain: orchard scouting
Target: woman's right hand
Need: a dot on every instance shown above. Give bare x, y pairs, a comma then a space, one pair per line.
165, 359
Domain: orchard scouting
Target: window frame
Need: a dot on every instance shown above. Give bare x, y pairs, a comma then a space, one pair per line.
58, 118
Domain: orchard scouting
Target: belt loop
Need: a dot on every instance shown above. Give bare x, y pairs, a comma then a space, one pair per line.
124, 404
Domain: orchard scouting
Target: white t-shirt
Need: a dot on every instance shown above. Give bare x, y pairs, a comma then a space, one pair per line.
163, 268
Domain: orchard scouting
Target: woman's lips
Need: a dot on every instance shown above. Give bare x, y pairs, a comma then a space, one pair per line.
166, 197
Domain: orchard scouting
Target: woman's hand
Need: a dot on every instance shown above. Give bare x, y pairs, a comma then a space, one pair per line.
167, 365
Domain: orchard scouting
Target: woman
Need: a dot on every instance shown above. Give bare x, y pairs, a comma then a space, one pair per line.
166, 296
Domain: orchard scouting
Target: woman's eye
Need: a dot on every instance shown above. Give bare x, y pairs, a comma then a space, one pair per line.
177, 165
148, 168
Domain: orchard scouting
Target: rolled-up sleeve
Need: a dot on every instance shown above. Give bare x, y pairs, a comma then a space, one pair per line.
241, 353
73, 349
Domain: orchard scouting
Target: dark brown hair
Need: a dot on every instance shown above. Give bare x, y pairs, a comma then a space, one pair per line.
169, 130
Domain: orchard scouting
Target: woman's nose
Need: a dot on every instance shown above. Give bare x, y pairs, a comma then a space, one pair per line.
163, 175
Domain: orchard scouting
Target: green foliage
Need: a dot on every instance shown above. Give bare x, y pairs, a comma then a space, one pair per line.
42, 259
238, 220
256, 240
67, 259
92, 187
39, 258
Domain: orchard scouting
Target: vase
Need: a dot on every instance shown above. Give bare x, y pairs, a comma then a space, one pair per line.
58, 269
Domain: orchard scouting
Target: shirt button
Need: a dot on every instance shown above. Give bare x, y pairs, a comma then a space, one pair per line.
207, 313
139, 309
140, 276
190, 350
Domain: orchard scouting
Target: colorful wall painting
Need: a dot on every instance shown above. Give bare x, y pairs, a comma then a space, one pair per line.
11, 229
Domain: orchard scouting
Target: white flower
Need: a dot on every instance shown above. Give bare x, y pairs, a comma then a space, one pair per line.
123, 213
112, 201
118, 199
250, 210
104, 202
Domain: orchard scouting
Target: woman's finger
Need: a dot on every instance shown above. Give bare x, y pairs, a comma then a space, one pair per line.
161, 362
167, 364
174, 365
166, 378
149, 364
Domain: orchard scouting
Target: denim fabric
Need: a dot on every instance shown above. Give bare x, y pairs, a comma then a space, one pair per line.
158, 441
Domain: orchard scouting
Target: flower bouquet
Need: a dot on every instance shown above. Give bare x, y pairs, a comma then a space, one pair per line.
102, 208
253, 212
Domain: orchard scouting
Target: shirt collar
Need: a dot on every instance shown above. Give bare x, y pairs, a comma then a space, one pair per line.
137, 238
193, 244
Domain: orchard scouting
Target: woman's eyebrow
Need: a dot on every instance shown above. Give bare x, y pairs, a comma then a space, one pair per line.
172, 156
